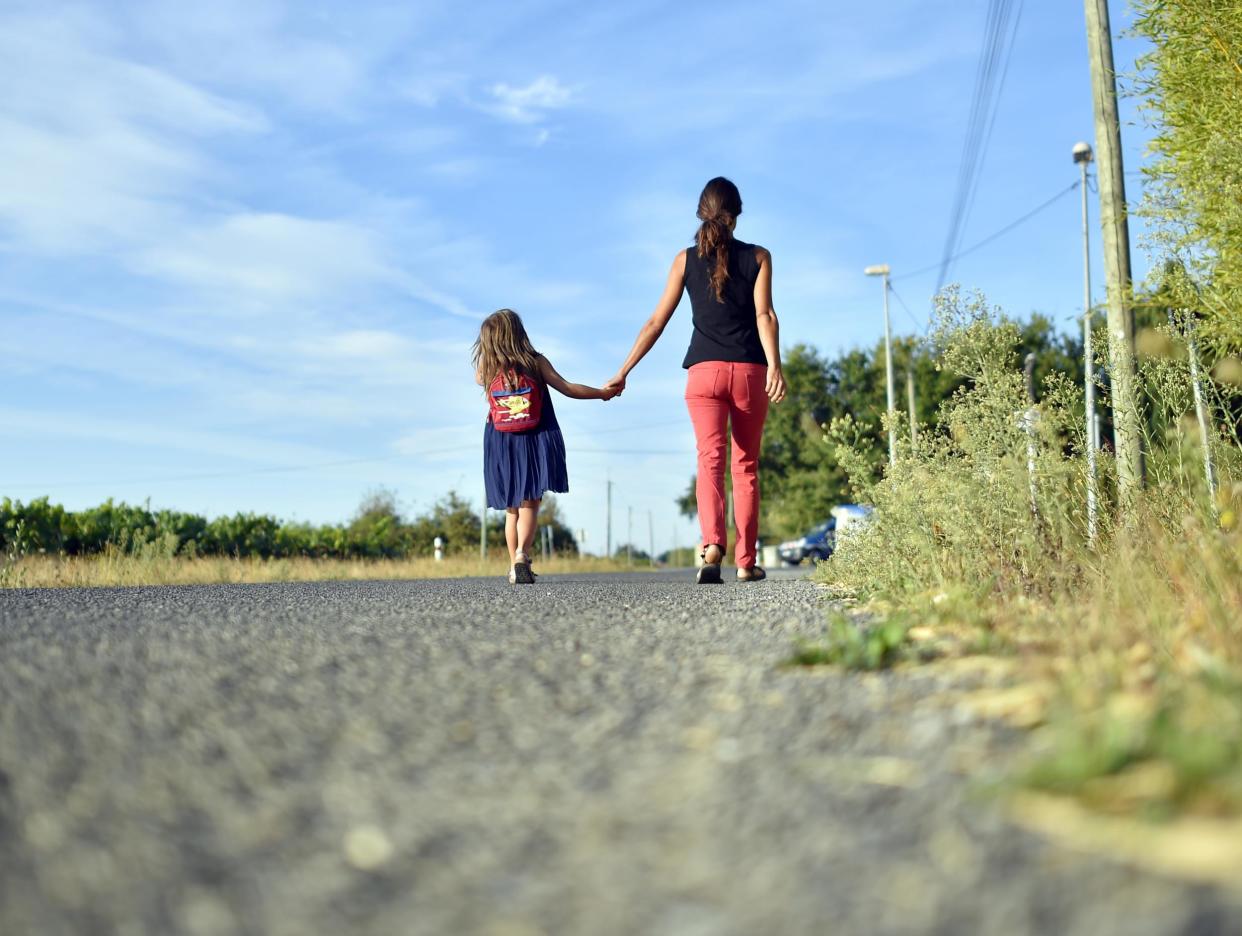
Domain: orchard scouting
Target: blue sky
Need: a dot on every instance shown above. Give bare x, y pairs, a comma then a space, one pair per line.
239, 238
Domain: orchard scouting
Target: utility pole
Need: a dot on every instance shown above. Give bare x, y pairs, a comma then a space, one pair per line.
608, 539
1111, 175
1083, 157
914, 421
882, 270
651, 537
483, 527
629, 536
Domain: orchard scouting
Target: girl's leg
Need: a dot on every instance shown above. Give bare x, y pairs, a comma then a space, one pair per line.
709, 412
749, 411
511, 533
527, 524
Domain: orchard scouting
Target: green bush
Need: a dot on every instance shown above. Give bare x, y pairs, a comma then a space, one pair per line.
378, 530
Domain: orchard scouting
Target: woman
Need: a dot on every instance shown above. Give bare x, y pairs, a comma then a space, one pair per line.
734, 362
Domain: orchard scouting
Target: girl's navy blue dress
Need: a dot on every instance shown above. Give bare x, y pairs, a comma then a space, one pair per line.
520, 466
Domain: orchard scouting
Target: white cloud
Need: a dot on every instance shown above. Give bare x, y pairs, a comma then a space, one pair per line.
529, 103
28, 423
268, 256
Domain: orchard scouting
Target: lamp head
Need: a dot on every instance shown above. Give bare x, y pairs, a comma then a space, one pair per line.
880, 269
1082, 153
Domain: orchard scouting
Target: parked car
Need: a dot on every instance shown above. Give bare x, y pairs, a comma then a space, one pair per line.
849, 518
819, 542
816, 544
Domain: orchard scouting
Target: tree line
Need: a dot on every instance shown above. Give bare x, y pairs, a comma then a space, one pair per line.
378, 530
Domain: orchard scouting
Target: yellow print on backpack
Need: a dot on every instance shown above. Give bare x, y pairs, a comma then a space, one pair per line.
516, 405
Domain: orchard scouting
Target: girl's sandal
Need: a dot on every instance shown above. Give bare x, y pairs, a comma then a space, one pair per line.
753, 574
522, 575
709, 572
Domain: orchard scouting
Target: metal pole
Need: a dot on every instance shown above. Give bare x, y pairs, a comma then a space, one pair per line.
1127, 428
914, 422
608, 540
1201, 415
888, 372
1029, 418
651, 537
1088, 353
483, 528
629, 536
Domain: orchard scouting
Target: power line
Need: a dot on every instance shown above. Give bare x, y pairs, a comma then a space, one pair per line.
909, 314
995, 234
997, 43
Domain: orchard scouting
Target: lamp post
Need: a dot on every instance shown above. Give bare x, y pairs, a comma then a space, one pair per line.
1083, 157
883, 271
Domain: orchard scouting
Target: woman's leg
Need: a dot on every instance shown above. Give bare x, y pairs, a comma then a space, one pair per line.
749, 411
709, 412
511, 533
527, 524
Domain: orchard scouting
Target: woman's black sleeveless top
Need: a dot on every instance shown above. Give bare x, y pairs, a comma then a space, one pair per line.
724, 331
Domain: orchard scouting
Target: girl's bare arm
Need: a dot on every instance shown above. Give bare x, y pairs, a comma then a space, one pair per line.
769, 328
575, 391
653, 328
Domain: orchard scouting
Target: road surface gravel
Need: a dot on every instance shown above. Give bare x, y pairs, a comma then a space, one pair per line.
590, 755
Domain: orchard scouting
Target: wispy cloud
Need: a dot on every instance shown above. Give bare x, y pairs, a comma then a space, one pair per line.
268, 256
529, 103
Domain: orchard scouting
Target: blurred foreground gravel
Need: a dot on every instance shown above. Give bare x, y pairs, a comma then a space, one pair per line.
591, 755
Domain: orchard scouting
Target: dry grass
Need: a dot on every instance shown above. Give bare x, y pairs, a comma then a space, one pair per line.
1127, 664
116, 569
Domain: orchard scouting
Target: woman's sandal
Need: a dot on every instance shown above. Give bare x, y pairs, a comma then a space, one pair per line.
709, 572
753, 574
521, 573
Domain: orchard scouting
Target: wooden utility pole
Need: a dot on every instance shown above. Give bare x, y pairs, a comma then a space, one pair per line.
1111, 175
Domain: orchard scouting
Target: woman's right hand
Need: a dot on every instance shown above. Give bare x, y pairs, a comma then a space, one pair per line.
775, 386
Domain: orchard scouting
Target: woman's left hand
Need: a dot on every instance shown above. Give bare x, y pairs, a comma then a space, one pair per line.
776, 384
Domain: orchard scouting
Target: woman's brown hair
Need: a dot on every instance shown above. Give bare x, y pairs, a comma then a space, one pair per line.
504, 348
719, 206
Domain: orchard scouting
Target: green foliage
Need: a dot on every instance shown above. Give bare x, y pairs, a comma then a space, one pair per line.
1191, 89
802, 478
378, 530
858, 647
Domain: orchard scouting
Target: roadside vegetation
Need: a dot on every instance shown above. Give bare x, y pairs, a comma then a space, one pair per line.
113, 568
1128, 648
1122, 651
43, 544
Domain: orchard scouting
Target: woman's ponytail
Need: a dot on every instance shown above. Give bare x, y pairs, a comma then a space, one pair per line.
719, 206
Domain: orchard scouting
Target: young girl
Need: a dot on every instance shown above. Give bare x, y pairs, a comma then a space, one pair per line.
525, 457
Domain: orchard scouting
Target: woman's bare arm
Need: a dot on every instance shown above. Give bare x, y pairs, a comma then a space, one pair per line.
575, 391
653, 328
769, 328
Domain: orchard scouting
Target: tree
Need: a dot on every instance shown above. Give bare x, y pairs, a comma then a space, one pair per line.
1191, 85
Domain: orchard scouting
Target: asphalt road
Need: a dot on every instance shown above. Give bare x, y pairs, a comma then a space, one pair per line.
592, 755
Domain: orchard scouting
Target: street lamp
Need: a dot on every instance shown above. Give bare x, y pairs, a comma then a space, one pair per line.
1082, 158
882, 270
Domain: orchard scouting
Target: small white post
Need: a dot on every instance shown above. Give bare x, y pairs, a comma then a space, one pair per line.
439, 545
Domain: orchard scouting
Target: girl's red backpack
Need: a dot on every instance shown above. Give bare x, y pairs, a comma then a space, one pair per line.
515, 402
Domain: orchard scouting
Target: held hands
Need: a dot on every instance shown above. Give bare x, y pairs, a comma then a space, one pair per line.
609, 391
775, 386
615, 387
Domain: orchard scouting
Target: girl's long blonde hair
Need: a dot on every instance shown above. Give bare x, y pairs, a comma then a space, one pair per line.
503, 347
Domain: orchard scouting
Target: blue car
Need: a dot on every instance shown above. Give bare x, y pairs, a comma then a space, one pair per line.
816, 544
819, 542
